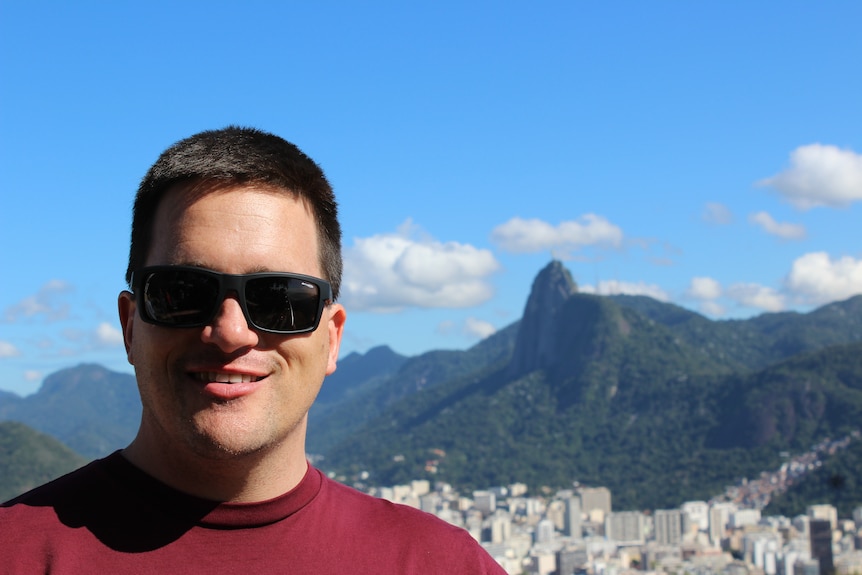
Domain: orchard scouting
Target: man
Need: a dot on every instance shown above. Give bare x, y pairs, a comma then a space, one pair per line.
231, 325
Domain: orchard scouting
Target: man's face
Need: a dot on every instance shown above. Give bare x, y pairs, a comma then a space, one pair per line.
181, 372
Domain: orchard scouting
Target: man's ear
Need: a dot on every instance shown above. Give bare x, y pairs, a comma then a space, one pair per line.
127, 308
335, 325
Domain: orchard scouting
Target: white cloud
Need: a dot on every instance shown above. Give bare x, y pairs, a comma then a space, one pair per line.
819, 175
709, 291
614, 287
783, 230
108, 335
8, 350
47, 301
704, 288
816, 278
528, 236
717, 214
478, 328
32, 375
712, 308
388, 272
756, 296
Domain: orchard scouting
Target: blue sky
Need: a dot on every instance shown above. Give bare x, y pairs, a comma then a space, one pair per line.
706, 153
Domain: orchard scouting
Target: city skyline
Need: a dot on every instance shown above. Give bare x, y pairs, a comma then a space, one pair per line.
728, 534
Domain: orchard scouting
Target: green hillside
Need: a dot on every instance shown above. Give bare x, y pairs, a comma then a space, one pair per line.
658, 403
89, 408
29, 458
626, 403
838, 482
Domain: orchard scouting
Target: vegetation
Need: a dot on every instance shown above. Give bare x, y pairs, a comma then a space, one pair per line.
378, 390
639, 399
656, 402
89, 408
29, 458
838, 482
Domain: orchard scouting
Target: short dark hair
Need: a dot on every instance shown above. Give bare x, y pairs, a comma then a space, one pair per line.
238, 155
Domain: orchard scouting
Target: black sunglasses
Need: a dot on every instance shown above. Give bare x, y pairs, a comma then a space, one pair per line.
186, 296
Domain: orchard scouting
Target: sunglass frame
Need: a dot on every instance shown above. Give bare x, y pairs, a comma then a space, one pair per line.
228, 283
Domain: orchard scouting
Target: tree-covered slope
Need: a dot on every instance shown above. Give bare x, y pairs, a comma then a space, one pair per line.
29, 458
613, 409
837, 482
89, 408
611, 395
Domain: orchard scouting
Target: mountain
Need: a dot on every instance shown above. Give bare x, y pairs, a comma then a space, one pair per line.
29, 458
625, 392
612, 392
657, 402
372, 394
537, 346
356, 373
760, 341
794, 403
89, 408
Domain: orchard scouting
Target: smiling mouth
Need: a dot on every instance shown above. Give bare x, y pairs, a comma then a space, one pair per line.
214, 376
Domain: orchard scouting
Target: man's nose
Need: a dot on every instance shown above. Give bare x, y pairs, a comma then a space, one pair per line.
229, 329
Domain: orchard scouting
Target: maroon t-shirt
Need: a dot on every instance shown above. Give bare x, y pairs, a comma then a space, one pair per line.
110, 517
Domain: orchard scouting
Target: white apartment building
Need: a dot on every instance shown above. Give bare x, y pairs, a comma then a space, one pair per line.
826, 512
698, 514
626, 527
719, 518
743, 517
669, 526
595, 502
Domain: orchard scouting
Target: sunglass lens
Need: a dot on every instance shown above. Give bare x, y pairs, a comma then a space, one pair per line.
282, 304
180, 297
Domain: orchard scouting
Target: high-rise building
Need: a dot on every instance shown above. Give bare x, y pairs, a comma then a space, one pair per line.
820, 531
698, 514
420, 487
572, 518
544, 531
719, 517
542, 562
668, 526
499, 528
742, 517
827, 512
626, 527
430, 503
595, 502
761, 548
806, 567
571, 561
485, 501
800, 523
717, 524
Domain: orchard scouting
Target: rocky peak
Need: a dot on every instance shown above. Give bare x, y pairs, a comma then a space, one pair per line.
534, 348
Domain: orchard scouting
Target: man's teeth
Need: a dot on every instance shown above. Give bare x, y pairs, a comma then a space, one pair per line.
226, 377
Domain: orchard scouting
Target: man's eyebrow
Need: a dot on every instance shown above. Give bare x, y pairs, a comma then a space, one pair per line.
191, 264
253, 270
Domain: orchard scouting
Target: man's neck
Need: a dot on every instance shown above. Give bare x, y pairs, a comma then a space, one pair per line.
247, 478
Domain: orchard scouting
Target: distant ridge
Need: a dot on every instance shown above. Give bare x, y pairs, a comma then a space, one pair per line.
657, 402
89, 408
29, 458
